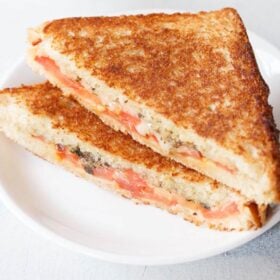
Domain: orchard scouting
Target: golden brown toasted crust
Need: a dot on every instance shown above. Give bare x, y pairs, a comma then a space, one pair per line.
66, 113
180, 65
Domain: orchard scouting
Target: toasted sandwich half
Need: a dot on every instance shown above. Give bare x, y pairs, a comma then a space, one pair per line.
185, 85
60, 130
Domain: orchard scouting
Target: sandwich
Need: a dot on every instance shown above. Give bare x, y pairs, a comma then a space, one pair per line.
185, 85
58, 129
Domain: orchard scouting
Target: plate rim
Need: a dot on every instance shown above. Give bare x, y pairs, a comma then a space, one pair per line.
49, 234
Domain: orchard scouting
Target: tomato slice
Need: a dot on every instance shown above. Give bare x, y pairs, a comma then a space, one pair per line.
230, 169
104, 173
129, 121
132, 182
190, 152
127, 179
220, 213
52, 68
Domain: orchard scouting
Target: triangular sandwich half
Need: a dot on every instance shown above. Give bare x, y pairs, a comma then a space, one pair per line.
185, 85
61, 131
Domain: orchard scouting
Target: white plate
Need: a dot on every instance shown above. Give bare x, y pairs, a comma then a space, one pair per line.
87, 219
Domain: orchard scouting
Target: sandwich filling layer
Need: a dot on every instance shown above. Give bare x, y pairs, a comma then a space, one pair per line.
145, 132
136, 185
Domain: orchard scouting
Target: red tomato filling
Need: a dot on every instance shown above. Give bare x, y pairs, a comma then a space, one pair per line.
230, 169
220, 213
189, 152
130, 181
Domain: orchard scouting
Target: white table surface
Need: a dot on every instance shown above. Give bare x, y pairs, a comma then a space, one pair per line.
26, 255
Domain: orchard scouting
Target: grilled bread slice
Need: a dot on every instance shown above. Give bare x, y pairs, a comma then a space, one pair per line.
185, 85
61, 131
